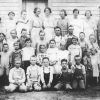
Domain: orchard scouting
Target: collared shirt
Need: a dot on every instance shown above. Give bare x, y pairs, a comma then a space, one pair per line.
33, 72
16, 74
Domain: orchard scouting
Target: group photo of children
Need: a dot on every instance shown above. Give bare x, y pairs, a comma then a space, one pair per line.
45, 53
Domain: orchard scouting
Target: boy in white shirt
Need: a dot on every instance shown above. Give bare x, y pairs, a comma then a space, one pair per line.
16, 78
27, 52
33, 75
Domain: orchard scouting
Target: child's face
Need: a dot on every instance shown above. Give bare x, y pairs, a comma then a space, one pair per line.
88, 53
76, 13
38, 11
47, 12
33, 60
93, 51
1, 37
43, 49
5, 48
88, 14
13, 34
46, 62
11, 16
74, 41
64, 65
81, 36
16, 46
17, 63
24, 15
42, 35
77, 61
57, 31
71, 30
52, 44
24, 33
28, 43
62, 14
92, 39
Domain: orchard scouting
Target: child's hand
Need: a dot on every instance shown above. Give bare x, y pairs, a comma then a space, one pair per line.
44, 86
49, 85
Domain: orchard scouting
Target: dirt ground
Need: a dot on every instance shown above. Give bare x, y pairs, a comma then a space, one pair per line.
89, 94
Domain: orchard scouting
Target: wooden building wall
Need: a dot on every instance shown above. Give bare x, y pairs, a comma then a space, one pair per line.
10, 5
69, 5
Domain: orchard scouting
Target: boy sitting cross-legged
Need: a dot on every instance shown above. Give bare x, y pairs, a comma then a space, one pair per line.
16, 78
33, 75
65, 77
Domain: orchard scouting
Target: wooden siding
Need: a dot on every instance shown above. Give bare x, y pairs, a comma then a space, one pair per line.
69, 5
10, 5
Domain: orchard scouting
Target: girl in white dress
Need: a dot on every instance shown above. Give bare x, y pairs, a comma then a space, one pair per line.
36, 25
48, 24
89, 25
76, 22
23, 22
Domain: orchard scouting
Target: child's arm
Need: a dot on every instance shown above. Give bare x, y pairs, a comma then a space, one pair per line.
51, 76
11, 80
42, 76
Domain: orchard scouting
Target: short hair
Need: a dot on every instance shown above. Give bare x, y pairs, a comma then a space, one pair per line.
63, 10
77, 57
88, 11
45, 58
41, 31
76, 10
42, 45
82, 33
33, 56
52, 40
70, 26
13, 30
74, 37
63, 60
48, 9
3, 34
17, 42
35, 9
5, 44
57, 27
23, 11
23, 29
11, 12
28, 39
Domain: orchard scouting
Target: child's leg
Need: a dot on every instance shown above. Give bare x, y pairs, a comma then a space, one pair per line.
68, 86
11, 87
22, 88
82, 84
29, 86
74, 84
37, 87
58, 86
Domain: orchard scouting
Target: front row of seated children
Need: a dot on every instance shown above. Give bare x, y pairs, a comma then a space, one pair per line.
41, 78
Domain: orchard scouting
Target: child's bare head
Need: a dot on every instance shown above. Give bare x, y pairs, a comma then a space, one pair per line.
45, 61
5, 47
33, 60
64, 63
